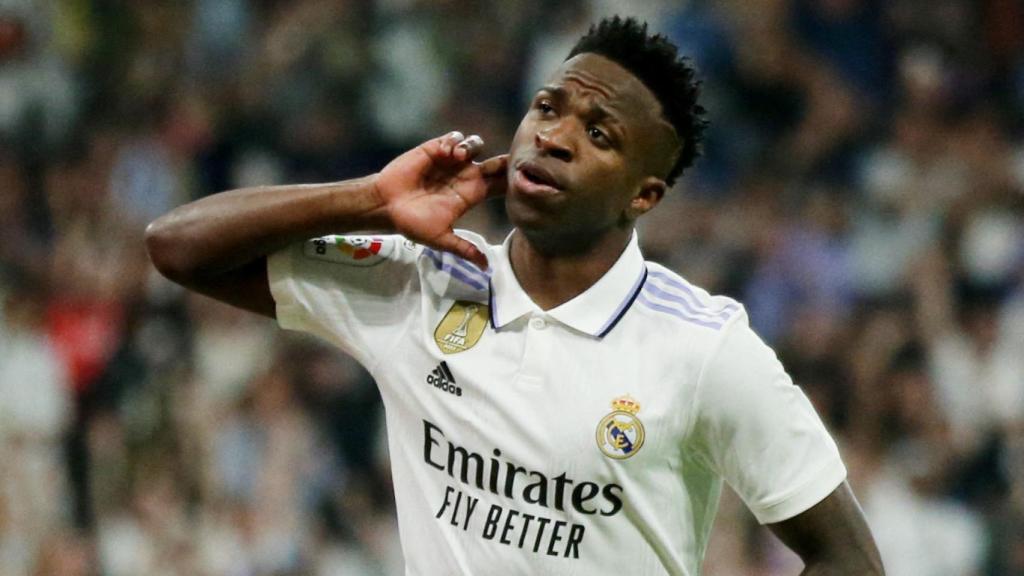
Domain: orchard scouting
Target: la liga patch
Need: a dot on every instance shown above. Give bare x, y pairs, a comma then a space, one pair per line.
351, 250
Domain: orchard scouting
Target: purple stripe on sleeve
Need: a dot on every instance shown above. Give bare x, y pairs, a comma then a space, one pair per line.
470, 268
459, 275
454, 272
677, 313
434, 256
466, 267
685, 304
693, 298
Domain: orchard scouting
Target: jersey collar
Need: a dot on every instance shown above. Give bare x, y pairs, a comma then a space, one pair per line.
595, 312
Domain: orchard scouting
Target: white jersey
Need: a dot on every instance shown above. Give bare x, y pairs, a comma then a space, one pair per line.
592, 438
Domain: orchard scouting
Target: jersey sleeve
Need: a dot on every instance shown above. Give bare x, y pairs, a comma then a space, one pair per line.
758, 430
356, 292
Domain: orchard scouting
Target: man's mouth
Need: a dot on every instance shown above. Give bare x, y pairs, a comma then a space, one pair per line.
534, 179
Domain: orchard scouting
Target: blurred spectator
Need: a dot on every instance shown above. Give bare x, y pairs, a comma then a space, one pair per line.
977, 372
35, 411
38, 93
905, 476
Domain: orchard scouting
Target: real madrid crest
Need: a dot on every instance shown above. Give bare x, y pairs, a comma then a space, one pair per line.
621, 434
461, 327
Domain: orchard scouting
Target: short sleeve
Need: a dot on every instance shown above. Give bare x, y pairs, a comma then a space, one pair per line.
356, 292
758, 430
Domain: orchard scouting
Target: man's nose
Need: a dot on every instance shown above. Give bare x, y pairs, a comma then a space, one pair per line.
554, 142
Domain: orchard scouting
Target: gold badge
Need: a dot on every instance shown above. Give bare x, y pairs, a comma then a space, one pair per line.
461, 327
621, 434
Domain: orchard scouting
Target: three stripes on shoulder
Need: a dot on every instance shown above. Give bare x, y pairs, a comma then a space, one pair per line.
667, 293
457, 268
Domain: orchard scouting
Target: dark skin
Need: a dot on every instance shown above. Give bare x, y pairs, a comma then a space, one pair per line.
588, 159
599, 135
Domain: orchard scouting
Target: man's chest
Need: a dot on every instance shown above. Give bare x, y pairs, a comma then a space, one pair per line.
539, 394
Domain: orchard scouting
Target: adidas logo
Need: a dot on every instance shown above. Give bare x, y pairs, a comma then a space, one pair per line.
442, 379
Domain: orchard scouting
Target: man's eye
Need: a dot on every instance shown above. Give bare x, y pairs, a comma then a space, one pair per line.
545, 107
596, 134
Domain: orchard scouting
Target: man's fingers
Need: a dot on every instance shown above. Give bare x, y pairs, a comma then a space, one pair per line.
494, 171
441, 149
453, 147
494, 166
468, 148
462, 248
450, 140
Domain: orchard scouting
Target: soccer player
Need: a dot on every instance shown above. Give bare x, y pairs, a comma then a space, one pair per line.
554, 404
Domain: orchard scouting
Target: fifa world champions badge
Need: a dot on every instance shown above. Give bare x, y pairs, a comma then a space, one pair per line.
620, 434
461, 327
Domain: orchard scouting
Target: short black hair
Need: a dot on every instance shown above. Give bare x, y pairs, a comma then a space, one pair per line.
656, 62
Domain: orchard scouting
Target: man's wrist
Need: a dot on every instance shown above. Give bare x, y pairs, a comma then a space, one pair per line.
358, 204
376, 198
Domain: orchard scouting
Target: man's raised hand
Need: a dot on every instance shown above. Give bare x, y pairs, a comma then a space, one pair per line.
431, 186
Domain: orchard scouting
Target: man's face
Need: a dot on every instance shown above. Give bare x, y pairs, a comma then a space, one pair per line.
589, 155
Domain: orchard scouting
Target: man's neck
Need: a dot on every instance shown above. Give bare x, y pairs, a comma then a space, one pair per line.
553, 279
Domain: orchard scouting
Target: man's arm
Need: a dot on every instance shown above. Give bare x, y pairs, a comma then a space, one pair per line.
759, 431
218, 245
832, 537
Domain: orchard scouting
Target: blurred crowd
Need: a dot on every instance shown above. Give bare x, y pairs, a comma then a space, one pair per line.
862, 192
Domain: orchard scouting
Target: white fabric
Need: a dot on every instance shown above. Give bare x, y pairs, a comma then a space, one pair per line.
979, 392
502, 471
35, 395
918, 534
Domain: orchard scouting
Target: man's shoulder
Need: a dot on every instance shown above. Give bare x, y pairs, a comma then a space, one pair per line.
454, 277
672, 297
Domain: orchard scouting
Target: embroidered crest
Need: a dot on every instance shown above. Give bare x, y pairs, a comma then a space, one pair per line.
461, 327
353, 250
620, 434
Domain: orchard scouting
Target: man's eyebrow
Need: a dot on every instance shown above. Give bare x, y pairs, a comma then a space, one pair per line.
601, 113
555, 91
598, 111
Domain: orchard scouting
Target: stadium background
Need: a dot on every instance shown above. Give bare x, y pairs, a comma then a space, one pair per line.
861, 193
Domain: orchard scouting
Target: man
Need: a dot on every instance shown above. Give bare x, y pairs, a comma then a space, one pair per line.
555, 405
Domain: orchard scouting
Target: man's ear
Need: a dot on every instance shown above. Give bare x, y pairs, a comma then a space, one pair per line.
652, 190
